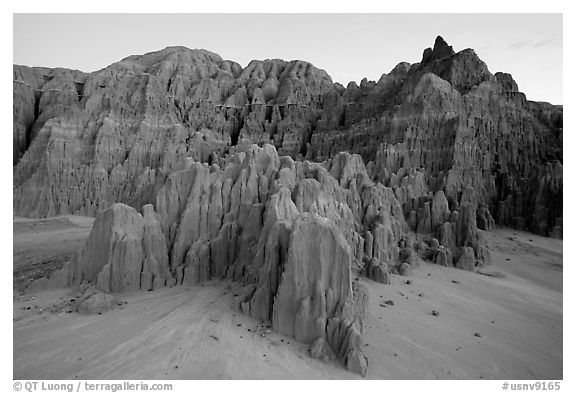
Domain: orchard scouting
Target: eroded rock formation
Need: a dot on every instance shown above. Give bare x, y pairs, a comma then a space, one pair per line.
276, 178
85, 141
293, 233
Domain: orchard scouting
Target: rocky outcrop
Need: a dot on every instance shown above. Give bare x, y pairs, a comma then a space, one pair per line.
176, 152
95, 303
85, 141
466, 260
116, 134
316, 278
377, 271
315, 299
40, 94
295, 234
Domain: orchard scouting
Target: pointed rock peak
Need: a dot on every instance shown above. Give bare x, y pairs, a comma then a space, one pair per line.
441, 50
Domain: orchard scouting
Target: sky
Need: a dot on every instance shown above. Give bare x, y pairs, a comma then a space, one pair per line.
348, 46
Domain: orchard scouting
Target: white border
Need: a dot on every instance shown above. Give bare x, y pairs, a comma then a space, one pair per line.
296, 6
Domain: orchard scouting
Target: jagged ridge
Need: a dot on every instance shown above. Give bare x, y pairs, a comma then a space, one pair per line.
84, 141
295, 234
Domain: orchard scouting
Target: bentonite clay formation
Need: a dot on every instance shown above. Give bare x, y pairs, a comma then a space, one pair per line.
295, 234
85, 141
278, 179
291, 232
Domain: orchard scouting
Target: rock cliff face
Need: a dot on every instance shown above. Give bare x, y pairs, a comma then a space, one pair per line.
446, 124
85, 141
293, 233
276, 178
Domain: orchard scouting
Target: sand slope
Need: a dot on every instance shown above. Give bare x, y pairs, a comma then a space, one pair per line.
518, 317
44, 245
194, 333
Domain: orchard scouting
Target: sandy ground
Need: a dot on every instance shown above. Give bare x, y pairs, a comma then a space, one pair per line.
504, 324
42, 246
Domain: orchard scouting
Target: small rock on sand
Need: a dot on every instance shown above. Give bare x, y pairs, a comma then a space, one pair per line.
96, 303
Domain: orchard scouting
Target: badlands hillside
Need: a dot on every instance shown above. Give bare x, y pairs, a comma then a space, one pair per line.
306, 197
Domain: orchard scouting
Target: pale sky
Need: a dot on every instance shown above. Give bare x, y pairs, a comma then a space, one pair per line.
348, 46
